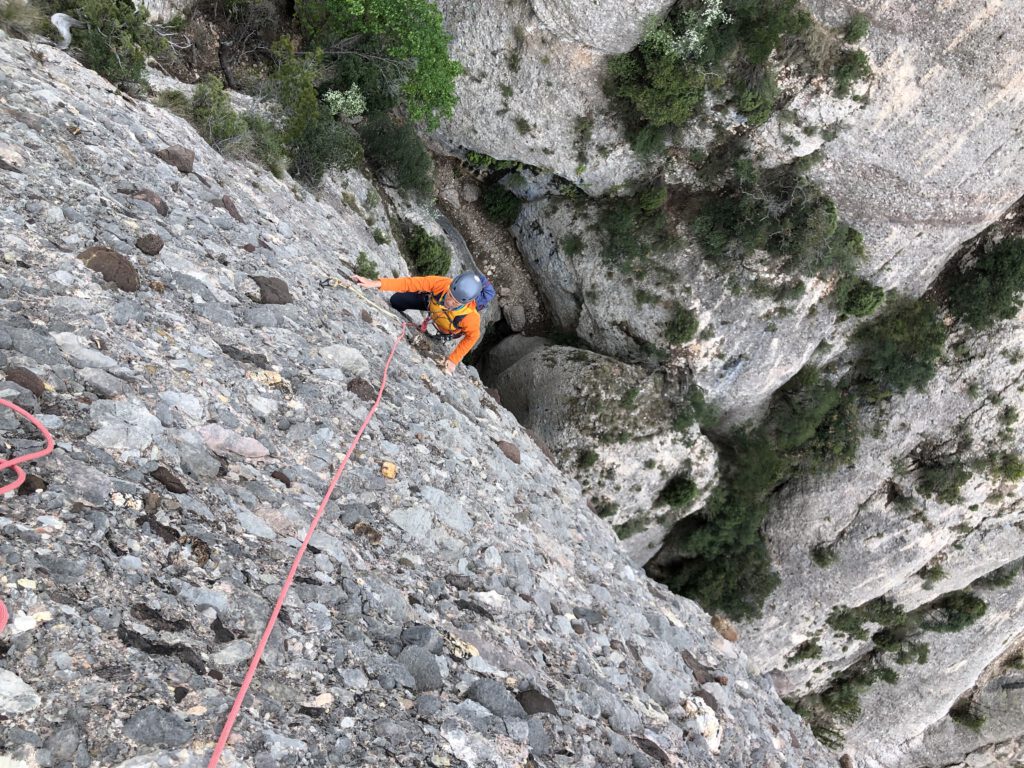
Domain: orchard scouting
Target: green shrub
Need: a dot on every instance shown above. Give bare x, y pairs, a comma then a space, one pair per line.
857, 297
965, 715
402, 40
823, 555
809, 649
931, 573
572, 244
898, 349
679, 492
395, 150
366, 267
682, 325
501, 206
429, 254
214, 117
991, 289
174, 101
851, 66
856, 27
267, 143
757, 93
635, 225
587, 458
942, 480
20, 18
631, 527
952, 612
1001, 577
881, 610
782, 212
116, 39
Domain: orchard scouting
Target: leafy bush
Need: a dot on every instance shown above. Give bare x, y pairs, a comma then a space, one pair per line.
572, 244
350, 103
174, 101
267, 143
964, 714
857, 297
942, 480
991, 289
757, 91
366, 267
501, 206
851, 66
20, 18
952, 612
404, 40
395, 150
215, 118
857, 27
587, 458
635, 225
851, 621
682, 326
782, 212
679, 492
429, 254
899, 348
116, 39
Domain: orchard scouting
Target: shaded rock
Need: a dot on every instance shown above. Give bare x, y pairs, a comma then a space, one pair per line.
496, 698
180, 157
273, 290
32, 484
515, 316
423, 636
423, 666
154, 727
16, 696
102, 383
511, 451
11, 159
281, 477
150, 244
168, 480
232, 209
114, 267
534, 702
27, 379
151, 197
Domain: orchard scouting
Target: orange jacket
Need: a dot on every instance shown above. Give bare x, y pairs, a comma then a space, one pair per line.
467, 325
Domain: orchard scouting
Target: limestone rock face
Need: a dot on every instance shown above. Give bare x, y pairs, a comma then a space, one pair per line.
610, 425
135, 605
746, 345
526, 88
610, 26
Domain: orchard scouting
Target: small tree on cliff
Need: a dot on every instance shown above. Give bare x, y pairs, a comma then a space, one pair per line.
400, 45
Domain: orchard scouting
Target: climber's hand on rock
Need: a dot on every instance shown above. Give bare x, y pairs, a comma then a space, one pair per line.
449, 366
365, 282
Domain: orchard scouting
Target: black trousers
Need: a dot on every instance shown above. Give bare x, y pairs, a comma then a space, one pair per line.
411, 300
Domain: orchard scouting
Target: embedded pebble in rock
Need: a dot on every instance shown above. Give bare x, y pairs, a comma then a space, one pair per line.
273, 290
223, 441
464, 567
180, 157
150, 197
114, 267
150, 244
27, 379
511, 452
232, 209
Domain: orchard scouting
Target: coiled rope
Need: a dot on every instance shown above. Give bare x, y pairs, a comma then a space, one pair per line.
14, 464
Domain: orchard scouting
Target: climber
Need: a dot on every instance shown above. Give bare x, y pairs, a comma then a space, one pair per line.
452, 304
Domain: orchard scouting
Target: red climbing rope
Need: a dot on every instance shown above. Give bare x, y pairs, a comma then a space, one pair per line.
251, 672
19, 474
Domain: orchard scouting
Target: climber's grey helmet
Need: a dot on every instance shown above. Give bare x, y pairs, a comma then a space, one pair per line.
466, 287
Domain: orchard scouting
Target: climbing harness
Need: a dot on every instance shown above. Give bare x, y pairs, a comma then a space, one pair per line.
251, 672
14, 464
